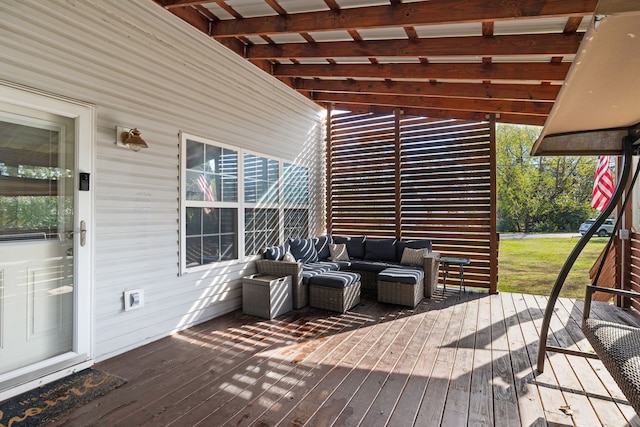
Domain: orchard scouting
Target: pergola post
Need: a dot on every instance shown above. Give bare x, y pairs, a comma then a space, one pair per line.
494, 240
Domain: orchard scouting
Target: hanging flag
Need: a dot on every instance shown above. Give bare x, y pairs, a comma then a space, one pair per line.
603, 185
205, 187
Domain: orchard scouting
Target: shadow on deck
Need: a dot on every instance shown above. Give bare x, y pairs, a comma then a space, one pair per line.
458, 359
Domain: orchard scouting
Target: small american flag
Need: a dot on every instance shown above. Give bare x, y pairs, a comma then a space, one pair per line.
603, 185
205, 187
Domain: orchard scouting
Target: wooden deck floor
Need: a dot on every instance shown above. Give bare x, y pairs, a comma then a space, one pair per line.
463, 359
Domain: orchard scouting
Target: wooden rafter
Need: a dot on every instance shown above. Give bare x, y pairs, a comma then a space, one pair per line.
504, 71
452, 104
538, 44
454, 90
402, 15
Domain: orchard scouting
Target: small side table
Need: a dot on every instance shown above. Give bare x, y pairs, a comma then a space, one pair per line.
460, 262
266, 296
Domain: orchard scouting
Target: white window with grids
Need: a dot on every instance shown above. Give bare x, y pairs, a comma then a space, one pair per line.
210, 204
234, 203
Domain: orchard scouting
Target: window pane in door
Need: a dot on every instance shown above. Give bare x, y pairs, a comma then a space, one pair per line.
30, 177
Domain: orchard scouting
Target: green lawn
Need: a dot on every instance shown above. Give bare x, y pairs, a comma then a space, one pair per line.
531, 265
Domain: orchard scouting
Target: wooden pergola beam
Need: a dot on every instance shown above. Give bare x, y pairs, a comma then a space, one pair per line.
531, 92
399, 15
538, 44
533, 71
541, 109
438, 113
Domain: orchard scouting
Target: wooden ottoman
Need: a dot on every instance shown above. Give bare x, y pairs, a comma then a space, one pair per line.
402, 286
334, 290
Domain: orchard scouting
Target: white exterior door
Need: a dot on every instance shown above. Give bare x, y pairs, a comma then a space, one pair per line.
45, 239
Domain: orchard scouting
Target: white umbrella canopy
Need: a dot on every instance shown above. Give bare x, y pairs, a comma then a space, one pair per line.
599, 103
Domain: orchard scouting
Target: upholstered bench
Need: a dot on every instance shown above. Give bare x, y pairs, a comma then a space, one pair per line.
334, 290
402, 286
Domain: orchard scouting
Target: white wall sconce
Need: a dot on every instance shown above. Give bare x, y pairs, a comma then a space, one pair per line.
130, 138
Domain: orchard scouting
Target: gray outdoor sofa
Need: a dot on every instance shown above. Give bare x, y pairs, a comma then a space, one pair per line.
368, 258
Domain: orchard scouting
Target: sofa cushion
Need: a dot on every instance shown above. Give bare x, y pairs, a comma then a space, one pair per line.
320, 267
326, 265
413, 244
335, 279
413, 256
308, 274
313, 269
380, 249
372, 266
409, 276
322, 246
338, 252
288, 257
355, 245
276, 253
303, 250
344, 265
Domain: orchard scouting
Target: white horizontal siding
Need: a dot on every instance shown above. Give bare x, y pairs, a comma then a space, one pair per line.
141, 66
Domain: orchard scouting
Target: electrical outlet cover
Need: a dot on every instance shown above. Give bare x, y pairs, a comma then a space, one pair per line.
133, 299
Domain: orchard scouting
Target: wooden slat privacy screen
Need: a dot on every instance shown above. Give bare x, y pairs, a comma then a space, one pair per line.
414, 178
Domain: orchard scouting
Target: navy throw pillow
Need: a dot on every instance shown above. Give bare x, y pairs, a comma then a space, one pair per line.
322, 246
276, 252
355, 245
303, 250
380, 249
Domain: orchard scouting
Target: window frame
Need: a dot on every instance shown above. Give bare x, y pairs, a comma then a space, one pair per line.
185, 204
240, 204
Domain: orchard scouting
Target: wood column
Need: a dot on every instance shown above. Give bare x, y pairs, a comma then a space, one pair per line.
329, 179
398, 167
494, 241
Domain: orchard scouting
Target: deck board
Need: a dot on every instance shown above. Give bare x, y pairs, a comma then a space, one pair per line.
412, 398
481, 399
505, 400
434, 399
463, 358
520, 340
456, 409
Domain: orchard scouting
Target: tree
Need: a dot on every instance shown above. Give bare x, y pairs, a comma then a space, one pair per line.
539, 193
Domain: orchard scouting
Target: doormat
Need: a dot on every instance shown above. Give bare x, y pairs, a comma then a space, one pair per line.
45, 403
